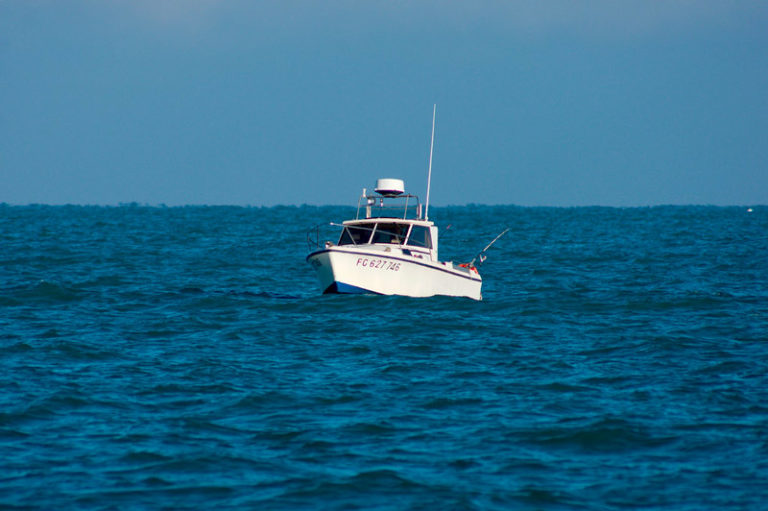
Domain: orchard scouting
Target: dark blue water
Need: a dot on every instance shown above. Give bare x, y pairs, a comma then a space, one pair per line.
183, 358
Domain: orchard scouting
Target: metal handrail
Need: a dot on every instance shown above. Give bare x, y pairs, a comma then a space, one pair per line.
377, 202
313, 243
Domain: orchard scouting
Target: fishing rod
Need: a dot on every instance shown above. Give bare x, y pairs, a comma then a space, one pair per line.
480, 255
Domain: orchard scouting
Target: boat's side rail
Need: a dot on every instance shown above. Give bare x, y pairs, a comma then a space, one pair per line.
313, 236
320, 235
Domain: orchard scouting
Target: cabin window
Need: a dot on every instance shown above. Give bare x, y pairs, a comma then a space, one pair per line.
390, 233
420, 237
354, 235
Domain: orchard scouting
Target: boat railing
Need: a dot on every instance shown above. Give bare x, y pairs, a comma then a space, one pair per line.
380, 206
318, 235
313, 237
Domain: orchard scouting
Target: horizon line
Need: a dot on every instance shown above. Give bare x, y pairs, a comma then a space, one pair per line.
161, 205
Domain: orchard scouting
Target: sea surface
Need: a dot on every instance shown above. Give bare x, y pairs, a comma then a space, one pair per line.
184, 358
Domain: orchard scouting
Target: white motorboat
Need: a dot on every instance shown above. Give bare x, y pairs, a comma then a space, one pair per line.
382, 253
392, 254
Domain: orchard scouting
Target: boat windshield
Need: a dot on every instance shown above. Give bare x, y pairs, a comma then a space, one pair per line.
386, 232
390, 233
354, 235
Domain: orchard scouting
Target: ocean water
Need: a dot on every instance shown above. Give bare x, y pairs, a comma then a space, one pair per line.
183, 358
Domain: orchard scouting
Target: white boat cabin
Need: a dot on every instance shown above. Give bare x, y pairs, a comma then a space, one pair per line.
387, 223
412, 237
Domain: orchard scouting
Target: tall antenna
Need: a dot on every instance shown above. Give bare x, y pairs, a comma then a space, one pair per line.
429, 174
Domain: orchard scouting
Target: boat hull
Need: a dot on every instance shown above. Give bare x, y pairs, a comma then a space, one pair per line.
352, 270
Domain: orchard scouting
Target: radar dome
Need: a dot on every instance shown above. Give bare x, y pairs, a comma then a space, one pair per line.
390, 187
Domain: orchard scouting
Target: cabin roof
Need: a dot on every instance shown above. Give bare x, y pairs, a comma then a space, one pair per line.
389, 220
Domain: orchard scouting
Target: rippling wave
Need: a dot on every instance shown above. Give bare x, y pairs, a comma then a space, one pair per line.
183, 358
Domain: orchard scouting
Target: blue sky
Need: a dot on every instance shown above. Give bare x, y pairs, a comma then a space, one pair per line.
562, 103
